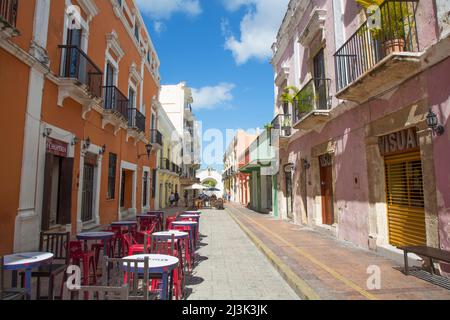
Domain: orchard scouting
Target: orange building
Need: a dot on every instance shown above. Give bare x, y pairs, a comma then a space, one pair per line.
79, 85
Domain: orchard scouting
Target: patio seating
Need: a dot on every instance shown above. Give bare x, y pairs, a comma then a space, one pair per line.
119, 272
100, 293
58, 244
9, 294
137, 247
85, 258
428, 252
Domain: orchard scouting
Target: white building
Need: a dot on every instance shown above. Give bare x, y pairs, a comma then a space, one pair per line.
176, 101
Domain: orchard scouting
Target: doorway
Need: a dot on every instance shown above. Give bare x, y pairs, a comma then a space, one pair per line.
326, 187
289, 196
87, 207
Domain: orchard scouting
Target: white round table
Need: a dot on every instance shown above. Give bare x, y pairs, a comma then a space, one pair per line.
192, 212
195, 216
26, 261
177, 234
157, 264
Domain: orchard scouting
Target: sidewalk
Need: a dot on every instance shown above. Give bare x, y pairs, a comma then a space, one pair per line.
318, 266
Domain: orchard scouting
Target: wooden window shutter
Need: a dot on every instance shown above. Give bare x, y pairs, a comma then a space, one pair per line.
47, 199
65, 191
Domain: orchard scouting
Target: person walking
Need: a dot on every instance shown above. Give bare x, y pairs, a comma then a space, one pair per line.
186, 198
172, 199
177, 198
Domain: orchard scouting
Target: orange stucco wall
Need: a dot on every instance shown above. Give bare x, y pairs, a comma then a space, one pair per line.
14, 90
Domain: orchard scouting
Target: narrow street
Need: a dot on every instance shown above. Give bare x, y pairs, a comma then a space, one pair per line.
230, 267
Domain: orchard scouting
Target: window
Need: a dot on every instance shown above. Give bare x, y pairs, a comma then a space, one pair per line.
132, 98
112, 176
136, 31
145, 190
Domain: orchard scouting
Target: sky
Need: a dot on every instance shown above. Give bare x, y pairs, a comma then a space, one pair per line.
222, 50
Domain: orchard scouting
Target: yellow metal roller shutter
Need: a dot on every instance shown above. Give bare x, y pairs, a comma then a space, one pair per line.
405, 201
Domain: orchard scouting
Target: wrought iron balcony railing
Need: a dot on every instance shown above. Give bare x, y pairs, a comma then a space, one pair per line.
156, 137
283, 123
136, 120
390, 29
77, 65
115, 101
314, 96
8, 12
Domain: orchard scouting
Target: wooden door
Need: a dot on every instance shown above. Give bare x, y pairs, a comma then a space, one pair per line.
88, 193
47, 199
326, 186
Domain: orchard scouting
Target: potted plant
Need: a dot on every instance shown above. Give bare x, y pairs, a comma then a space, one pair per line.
395, 23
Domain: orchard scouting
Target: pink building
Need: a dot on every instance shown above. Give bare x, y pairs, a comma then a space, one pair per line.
357, 156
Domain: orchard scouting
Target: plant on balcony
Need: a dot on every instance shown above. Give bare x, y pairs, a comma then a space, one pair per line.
289, 94
396, 25
306, 99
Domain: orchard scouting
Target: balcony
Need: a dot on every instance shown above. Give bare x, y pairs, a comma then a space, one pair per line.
115, 106
312, 104
282, 124
164, 164
136, 120
80, 79
156, 139
8, 17
376, 59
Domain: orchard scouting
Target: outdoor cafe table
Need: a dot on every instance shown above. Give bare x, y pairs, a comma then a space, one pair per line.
192, 228
26, 261
192, 212
130, 224
96, 236
158, 264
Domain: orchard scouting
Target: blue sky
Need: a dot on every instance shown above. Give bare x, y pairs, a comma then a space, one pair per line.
221, 48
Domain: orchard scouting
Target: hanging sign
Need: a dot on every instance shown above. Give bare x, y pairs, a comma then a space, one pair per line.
398, 142
57, 148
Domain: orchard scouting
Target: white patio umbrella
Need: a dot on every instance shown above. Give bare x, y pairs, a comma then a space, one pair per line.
196, 187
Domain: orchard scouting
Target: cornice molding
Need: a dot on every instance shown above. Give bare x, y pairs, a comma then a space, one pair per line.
112, 40
315, 25
89, 7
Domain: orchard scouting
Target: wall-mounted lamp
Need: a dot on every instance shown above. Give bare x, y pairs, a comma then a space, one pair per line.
74, 141
148, 149
433, 124
87, 143
47, 132
103, 150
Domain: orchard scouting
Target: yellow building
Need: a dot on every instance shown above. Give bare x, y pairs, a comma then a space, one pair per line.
169, 162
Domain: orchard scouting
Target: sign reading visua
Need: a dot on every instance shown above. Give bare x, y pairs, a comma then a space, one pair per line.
56, 147
398, 142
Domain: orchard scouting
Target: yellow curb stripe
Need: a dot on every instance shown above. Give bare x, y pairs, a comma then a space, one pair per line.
335, 274
299, 286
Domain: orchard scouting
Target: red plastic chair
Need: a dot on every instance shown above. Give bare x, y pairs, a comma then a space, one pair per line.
188, 254
85, 259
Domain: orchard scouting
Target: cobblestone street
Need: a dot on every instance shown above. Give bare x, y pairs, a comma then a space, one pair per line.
230, 267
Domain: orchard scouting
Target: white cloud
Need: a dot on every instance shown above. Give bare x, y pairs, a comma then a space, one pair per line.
211, 97
258, 28
159, 26
163, 9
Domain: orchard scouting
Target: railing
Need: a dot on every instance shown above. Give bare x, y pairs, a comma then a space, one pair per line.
136, 119
283, 122
115, 101
315, 95
164, 164
156, 137
77, 65
396, 32
8, 11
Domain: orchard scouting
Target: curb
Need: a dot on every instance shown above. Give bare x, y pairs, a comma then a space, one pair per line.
300, 287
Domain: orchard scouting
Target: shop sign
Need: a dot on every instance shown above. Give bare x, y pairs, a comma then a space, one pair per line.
398, 142
57, 148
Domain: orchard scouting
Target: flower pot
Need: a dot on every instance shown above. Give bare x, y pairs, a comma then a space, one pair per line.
394, 45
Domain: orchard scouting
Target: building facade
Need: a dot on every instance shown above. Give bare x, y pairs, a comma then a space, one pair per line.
235, 182
80, 116
169, 161
357, 152
176, 101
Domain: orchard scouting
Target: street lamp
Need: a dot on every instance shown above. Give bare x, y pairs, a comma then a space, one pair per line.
432, 123
148, 149
103, 150
87, 143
